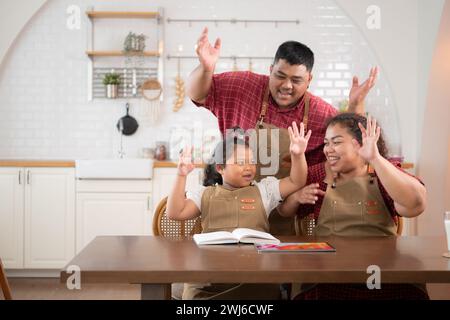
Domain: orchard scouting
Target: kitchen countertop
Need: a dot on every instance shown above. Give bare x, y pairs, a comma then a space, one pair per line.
37, 163
170, 164
71, 163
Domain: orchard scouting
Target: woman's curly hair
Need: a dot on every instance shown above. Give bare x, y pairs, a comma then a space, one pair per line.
350, 121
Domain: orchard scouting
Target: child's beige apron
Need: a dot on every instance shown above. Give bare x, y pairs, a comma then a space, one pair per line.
278, 225
226, 210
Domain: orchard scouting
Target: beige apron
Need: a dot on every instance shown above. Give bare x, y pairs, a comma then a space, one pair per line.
226, 210
355, 208
352, 208
278, 225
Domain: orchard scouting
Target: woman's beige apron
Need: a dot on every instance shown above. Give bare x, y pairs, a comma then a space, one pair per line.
355, 208
278, 225
226, 210
352, 208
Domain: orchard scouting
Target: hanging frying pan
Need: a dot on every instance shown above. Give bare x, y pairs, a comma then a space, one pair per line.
127, 124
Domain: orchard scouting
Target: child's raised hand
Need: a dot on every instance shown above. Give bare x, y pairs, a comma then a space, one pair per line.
185, 165
299, 141
370, 135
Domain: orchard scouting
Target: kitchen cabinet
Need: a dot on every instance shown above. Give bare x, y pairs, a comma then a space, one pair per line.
11, 217
164, 179
37, 217
112, 207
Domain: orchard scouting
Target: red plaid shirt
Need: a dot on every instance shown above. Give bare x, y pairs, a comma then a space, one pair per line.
316, 174
235, 98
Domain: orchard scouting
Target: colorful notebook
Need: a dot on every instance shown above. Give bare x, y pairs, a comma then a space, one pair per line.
296, 247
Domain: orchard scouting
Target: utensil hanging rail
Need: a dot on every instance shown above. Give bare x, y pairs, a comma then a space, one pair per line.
233, 21
224, 57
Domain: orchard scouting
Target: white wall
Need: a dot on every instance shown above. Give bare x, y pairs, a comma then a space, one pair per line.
14, 15
434, 158
44, 112
404, 45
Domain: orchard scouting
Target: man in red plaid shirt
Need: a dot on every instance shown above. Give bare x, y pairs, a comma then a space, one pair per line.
235, 98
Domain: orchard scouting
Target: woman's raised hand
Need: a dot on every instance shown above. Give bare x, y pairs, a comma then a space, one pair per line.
370, 135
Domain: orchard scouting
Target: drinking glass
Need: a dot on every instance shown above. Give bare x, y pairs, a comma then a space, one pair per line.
447, 231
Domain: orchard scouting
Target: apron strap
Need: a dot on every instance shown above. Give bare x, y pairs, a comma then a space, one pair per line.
306, 112
265, 105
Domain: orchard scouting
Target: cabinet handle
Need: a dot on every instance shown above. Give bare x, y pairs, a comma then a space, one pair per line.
20, 177
28, 176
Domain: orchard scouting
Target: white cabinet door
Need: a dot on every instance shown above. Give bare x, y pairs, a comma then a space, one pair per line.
164, 179
11, 217
112, 214
49, 217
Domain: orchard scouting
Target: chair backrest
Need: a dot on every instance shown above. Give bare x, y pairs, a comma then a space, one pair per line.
306, 225
4, 283
163, 226
399, 226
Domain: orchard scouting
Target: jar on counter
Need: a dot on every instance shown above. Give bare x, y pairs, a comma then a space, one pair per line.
160, 152
148, 153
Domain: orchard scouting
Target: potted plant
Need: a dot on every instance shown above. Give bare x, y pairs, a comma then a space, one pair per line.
112, 81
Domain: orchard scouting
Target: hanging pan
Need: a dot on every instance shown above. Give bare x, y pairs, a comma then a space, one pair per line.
127, 124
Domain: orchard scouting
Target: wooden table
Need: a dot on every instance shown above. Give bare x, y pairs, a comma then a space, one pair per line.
156, 262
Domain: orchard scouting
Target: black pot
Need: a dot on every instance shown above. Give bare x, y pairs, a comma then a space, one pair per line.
127, 124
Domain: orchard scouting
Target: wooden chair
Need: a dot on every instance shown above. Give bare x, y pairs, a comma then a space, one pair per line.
399, 226
306, 225
163, 226
4, 283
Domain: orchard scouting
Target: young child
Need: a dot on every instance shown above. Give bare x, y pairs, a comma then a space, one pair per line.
236, 202
353, 201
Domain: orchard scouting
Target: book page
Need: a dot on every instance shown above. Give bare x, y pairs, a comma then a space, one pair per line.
247, 235
217, 237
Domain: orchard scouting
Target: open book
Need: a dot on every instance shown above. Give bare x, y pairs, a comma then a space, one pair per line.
243, 235
296, 247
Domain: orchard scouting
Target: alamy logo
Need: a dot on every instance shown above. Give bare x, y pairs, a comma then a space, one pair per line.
258, 142
73, 21
73, 281
374, 280
374, 19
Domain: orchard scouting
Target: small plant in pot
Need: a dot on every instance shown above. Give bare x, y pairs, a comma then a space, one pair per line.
112, 81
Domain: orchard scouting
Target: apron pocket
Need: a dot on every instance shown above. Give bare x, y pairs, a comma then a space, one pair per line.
223, 214
377, 217
347, 216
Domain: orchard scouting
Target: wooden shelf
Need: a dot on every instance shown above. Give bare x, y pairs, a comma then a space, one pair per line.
121, 54
122, 15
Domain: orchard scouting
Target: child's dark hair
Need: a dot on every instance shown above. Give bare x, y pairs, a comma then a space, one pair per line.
350, 121
223, 149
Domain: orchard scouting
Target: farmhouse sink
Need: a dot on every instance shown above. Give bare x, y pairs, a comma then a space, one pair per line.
141, 169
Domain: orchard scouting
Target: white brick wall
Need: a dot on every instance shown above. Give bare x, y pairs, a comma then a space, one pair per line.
44, 112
